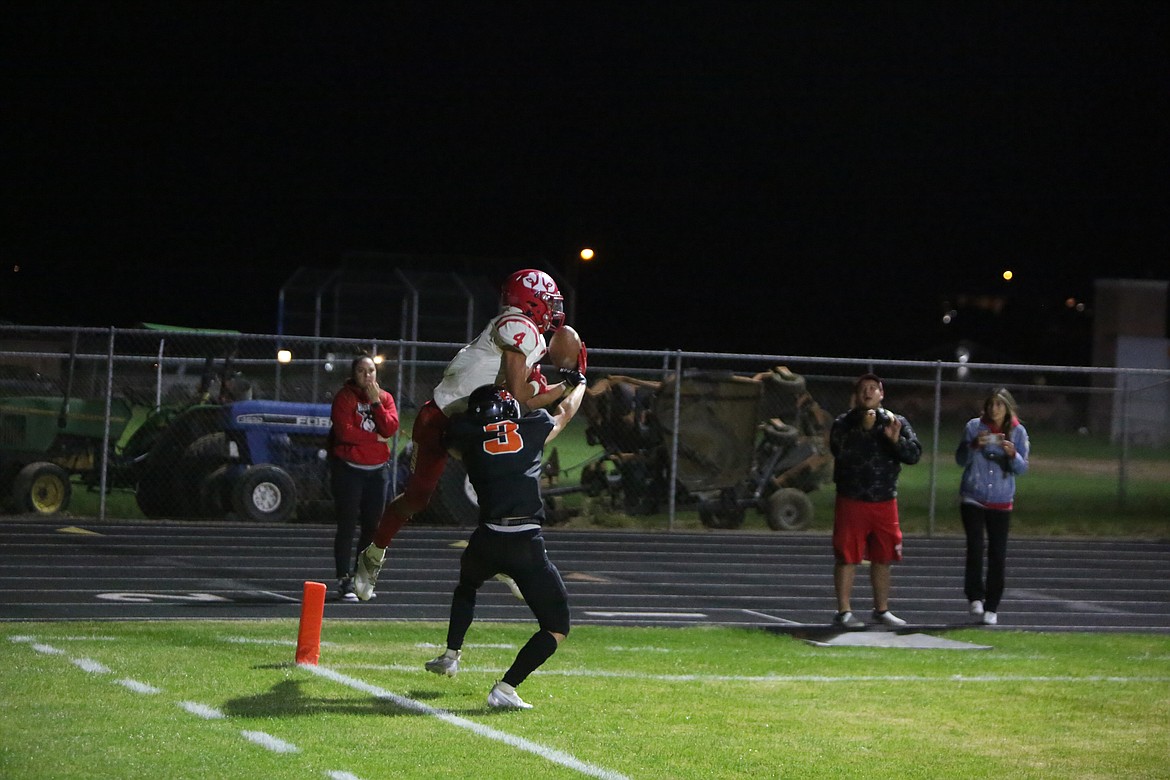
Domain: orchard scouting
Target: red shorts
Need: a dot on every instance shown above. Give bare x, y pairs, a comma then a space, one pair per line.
428, 457
866, 531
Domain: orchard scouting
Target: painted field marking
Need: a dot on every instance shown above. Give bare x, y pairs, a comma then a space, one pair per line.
469, 645
779, 678
549, 754
771, 617
137, 687
90, 665
260, 738
269, 742
651, 615
202, 710
239, 640
146, 598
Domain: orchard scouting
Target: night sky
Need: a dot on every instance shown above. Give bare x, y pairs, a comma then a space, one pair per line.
780, 177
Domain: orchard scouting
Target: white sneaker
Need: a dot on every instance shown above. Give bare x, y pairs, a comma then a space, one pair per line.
447, 663
887, 618
368, 565
504, 697
990, 618
848, 621
976, 607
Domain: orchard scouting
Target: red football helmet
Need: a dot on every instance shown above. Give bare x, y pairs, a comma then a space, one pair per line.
536, 294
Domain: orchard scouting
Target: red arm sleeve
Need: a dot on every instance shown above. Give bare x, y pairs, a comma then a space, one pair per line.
344, 416
386, 416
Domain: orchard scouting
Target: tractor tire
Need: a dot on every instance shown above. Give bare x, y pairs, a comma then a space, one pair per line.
201, 495
265, 493
215, 496
789, 509
722, 512
43, 488
154, 497
163, 490
454, 502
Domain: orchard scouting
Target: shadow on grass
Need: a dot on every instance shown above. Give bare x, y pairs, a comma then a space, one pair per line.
287, 698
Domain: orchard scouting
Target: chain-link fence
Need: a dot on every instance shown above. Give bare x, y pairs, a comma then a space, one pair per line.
178, 423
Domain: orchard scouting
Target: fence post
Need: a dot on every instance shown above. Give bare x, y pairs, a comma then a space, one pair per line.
106, 427
934, 449
158, 374
1124, 455
670, 502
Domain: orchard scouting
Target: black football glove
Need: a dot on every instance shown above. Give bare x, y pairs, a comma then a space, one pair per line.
571, 376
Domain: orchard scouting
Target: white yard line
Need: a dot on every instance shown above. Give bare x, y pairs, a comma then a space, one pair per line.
545, 752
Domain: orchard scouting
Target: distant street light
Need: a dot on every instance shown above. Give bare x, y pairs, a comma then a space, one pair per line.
1007, 275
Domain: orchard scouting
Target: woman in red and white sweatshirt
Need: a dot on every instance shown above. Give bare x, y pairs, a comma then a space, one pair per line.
364, 419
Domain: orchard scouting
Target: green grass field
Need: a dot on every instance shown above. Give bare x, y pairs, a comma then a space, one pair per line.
226, 700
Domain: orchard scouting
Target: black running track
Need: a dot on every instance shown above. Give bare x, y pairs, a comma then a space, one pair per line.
72, 569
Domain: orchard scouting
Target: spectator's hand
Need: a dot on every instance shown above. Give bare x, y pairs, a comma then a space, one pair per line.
373, 392
893, 428
869, 419
571, 376
1009, 449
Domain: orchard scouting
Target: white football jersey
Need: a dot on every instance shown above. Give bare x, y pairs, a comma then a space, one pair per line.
482, 361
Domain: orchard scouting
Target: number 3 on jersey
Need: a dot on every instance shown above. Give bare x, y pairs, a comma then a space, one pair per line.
507, 439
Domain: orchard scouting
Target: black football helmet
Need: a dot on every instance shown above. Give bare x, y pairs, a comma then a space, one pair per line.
492, 403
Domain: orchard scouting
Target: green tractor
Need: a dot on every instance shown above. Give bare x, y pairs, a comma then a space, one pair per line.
47, 443
45, 440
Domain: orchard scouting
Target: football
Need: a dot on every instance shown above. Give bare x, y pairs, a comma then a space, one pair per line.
564, 347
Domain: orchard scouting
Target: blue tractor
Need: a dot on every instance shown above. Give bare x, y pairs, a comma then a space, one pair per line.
262, 460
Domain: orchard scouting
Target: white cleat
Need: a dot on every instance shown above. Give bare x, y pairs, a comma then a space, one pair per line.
504, 697
445, 664
368, 565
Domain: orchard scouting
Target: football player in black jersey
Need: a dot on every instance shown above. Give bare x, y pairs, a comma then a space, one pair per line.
502, 451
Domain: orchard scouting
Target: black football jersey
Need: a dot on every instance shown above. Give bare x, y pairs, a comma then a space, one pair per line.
503, 461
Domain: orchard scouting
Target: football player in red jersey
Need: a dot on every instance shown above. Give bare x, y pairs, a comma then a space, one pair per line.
507, 352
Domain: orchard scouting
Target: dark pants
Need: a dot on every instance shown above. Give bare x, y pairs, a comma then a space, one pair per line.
977, 520
522, 557
359, 496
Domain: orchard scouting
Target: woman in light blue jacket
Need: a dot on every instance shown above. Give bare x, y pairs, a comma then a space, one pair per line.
993, 451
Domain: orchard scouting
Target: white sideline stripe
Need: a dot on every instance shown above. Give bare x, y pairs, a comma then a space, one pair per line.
620, 649
471, 645
270, 742
47, 649
547, 753
90, 665
241, 640
138, 687
202, 710
784, 678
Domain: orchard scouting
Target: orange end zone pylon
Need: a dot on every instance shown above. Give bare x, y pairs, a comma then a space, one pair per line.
312, 611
